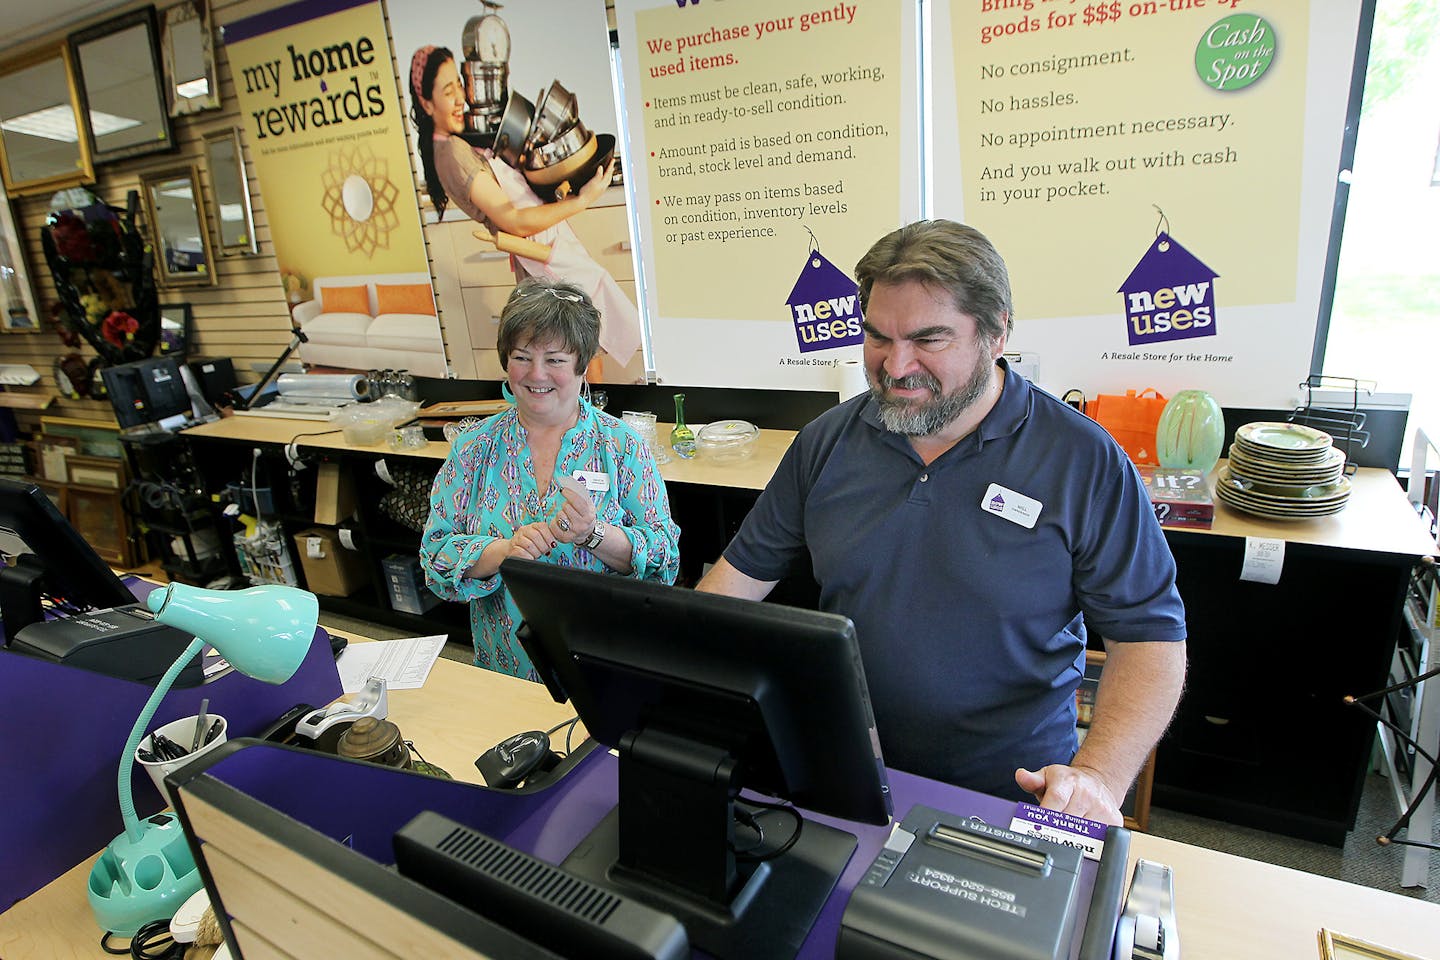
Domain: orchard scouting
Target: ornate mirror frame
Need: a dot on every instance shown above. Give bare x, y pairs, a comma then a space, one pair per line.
177, 266
19, 179
188, 45
230, 187
116, 87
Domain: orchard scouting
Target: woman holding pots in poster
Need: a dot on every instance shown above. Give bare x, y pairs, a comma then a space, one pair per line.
497, 195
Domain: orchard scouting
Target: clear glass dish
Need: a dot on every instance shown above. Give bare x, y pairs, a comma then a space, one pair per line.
726, 440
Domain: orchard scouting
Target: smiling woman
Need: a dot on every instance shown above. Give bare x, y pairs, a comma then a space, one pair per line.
554, 479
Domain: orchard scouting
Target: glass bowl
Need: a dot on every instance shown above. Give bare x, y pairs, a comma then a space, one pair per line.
725, 441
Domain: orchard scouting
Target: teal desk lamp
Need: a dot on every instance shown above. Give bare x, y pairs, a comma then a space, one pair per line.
147, 872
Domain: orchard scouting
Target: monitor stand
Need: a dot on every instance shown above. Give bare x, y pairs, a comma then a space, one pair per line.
669, 844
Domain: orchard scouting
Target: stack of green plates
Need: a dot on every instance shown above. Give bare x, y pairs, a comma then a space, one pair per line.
1284, 471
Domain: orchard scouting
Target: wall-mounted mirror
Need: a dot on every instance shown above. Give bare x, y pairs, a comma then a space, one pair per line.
17, 300
177, 228
43, 142
186, 40
233, 215
122, 86
175, 330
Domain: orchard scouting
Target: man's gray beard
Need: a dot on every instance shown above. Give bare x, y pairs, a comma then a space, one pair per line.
911, 420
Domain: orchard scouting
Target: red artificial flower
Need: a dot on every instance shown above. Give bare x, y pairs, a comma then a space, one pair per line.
119, 328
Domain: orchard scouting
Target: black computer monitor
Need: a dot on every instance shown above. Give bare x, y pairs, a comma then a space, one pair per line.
704, 696
47, 558
146, 391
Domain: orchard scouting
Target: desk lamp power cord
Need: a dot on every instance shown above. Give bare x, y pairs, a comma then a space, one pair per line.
151, 942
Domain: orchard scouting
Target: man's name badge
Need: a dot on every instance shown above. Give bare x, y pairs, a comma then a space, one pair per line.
1015, 507
592, 481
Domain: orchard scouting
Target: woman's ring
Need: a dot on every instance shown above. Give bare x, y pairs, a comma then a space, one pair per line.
563, 524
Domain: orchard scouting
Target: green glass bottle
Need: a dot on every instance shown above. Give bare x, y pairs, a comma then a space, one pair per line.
682, 438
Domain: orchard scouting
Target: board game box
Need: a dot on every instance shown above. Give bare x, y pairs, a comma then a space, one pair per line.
1181, 498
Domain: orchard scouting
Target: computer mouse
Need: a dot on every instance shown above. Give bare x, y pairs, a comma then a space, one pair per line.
510, 761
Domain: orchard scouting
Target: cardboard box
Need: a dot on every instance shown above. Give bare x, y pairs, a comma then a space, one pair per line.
1181, 498
335, 498
406, 583
330, 569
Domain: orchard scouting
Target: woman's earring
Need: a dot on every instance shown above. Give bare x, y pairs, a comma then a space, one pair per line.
585, 390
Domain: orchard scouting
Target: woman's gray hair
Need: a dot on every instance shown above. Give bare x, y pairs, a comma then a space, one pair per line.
950, 256
541, 310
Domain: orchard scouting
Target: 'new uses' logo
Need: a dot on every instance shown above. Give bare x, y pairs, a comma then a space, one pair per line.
1170, 295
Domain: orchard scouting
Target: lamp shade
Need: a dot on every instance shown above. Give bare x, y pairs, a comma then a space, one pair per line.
264, 632
1191, 431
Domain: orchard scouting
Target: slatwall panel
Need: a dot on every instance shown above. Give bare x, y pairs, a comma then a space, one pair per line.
243, 316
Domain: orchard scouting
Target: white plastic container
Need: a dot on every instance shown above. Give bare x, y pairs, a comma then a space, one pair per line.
181, 731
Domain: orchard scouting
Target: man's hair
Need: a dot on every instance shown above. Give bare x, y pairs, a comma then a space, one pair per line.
951, 257
541, 310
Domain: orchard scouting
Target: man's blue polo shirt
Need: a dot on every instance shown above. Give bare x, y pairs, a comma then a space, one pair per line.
972, 625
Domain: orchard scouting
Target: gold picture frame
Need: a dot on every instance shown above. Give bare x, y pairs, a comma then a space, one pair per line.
1337, 946
36, 86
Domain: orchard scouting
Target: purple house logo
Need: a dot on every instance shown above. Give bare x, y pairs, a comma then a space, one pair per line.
997, 504
1170, 295
825, 305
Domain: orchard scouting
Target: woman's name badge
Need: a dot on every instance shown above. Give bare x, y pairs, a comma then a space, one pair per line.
592, 481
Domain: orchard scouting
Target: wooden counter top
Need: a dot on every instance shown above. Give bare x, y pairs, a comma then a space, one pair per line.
749, 474
1377, 517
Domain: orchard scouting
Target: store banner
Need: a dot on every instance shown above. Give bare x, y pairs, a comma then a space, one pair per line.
763, 130
323, 121
1076, 133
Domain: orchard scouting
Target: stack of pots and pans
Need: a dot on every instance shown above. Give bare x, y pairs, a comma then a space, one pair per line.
549, 144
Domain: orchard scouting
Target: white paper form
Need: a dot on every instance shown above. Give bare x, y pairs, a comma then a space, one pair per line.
404, 664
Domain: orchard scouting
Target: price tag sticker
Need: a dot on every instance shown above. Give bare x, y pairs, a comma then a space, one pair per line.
1264, 560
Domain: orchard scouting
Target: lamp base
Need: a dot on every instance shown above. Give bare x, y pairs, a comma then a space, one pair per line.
136, 881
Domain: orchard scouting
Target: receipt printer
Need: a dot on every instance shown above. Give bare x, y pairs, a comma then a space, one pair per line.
952, 888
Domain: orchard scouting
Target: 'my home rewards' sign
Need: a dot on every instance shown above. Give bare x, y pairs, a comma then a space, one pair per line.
1170, 295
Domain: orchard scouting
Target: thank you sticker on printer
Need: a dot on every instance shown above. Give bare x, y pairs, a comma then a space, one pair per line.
1087, 836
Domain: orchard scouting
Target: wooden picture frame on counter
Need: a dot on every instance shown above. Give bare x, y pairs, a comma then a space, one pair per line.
1337, 946
98, 472
1136, 805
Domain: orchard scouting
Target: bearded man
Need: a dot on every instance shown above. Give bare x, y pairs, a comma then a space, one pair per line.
975, 529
